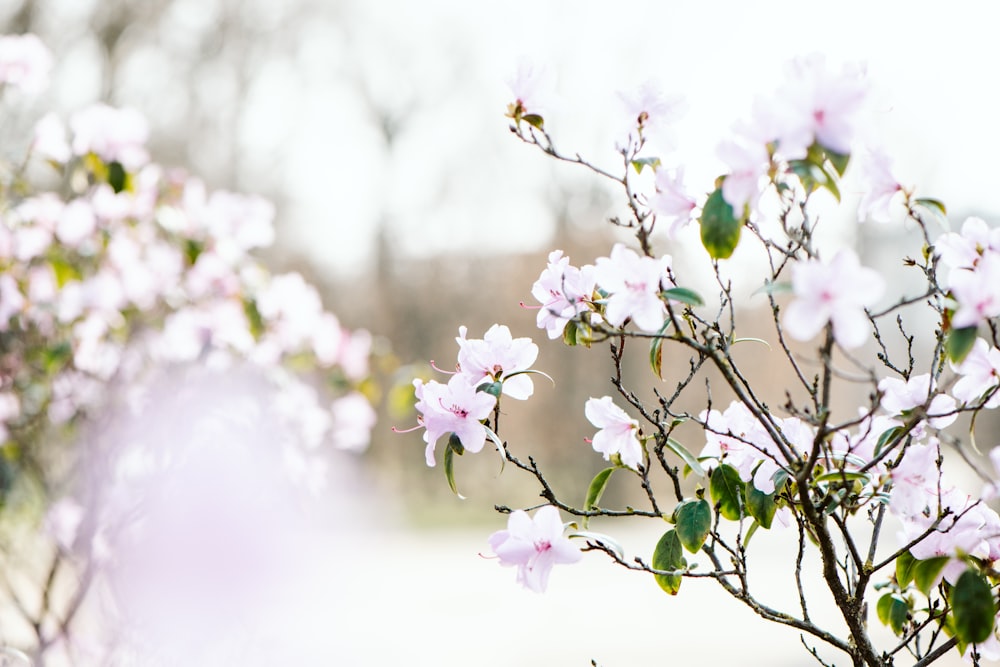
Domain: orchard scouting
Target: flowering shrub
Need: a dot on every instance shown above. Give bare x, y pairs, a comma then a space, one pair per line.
835, 477
132, 287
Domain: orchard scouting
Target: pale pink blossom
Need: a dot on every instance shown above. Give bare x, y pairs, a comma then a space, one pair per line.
353, 420
648, 113
49, 140
963, 250
748, 163
76, 223
899, 396
976, 291
25, 63
11, 300
881, 188
980, 373
915, 481
534, 545
452, 408
239, 222
292, 308
114, 135
634, 285
496, 357
532, 85
838, 293
618, 432
564, 291
62, 522
671, 203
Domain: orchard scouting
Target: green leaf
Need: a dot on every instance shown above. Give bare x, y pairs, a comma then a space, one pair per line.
606, 540
118, 178
254, 319
751, 531
843, 476
693, 519
973, 608
669, 556
726, 488
65, 272
533, 119
454, 448
905, 566
886, 436
935, 205
578, 333
656, 350
491, 388
720, 228
639, 163
751, 339
761, 506
926, 573
960, 342
892, 611
838, 160
774, 288
690, 459
595, 491
684, 295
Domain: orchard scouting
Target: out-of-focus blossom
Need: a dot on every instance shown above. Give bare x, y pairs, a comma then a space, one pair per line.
62, 522
838, 293
239, 223
648, 113
564, 292
114, 135
980, 373
76, 223
452, 408
11, 300
671, 202
748, 163
880, 188
534, 546
25, 63
496, 357
353, 420
532, 85
634, 284
618, 432
964, 250
50, 139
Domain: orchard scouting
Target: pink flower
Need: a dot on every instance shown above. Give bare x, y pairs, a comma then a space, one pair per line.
882, 188
748, 163
837, 292
634, 284
564, 292
534, 546
671, 203
964, 250
495, 358
452, 408
899, 397
25, 63
76, 223
980, 371
977, 291
915, 481
650, 114
618, 431
532, 87
50, 139
353, 419
114, 135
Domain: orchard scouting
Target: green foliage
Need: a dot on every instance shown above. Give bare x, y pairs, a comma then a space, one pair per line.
761, 506
905, 566
690, 459
595, 491
973, 608
727, 491
656, 350
669, 556
693, 520
893, 611
959, 343
720, 228
926, 573
454, 448
684, 295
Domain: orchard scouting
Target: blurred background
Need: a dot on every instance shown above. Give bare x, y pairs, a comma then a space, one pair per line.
377, 129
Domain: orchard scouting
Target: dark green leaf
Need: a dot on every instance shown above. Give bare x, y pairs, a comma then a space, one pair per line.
905, 566
690, 459
843, 476
726, 488
720, 228
973, 608
693, 519
892, 611
656, 350
885, 438
751, 531
454, 448
926, 573
639, 163
595, 491
117, 177
761, 506
684, 295
669, 556
960, 342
